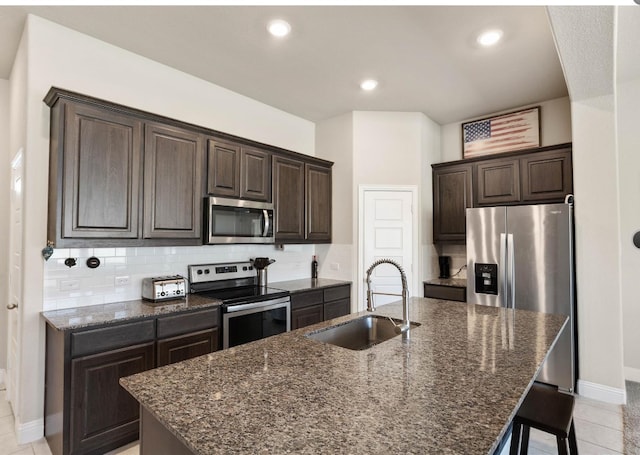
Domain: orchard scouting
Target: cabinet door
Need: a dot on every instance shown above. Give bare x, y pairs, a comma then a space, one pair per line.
255, 174
183, 347
306, 316
173, 159
452, 195
288, 195
547, 176
498, 181
318, 203
100, 180
103, 414
223, 168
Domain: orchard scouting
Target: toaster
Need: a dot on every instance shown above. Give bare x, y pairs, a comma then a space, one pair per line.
164, 288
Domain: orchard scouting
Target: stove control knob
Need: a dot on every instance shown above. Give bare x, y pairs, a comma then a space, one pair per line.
162, 293
206, 271
244, 268
250, 267
199, 272
178, 292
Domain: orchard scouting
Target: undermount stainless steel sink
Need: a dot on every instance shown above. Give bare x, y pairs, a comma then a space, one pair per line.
361, 333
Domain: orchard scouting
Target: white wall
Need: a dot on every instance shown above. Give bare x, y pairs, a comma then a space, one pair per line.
595, 177
334, 142
4, 222
376, 148
397, 148
58, 56
628, 99
30, 391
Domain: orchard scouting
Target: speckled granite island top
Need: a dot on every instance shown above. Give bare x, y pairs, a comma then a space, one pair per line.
307, 284
80, 317
451, 387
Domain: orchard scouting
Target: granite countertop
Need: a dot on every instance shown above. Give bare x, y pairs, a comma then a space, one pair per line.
86, 316
452, 386
306, 284
453, 282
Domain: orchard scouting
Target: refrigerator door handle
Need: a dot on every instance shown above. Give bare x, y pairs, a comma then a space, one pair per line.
503, 298
511, 273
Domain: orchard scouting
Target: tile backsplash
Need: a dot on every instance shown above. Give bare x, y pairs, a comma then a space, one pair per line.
69, 287
458, 255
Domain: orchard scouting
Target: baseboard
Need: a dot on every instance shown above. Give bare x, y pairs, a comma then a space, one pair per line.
632, 374
602, 392
2, 373
29, 431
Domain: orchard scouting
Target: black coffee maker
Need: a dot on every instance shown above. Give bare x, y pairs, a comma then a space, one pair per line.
445, 266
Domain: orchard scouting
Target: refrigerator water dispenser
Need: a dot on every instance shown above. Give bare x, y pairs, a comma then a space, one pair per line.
486, 278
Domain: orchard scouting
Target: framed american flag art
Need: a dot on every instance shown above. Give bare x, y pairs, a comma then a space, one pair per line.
503, 133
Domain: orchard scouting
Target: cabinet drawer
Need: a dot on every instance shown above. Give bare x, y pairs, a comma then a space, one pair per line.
107, 338
183, 347
184, 323
304, 299
435, 291
337, 293
337, 308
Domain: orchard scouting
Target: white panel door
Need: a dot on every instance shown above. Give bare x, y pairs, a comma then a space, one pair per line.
15, 282
388, 233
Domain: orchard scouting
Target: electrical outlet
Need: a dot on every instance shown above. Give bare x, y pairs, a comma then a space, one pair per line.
122, 280
69, 285
335, 266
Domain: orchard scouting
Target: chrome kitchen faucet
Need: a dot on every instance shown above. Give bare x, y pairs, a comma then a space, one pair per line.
405, 293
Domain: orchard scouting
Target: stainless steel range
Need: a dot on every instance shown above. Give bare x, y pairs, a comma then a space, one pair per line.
249, 311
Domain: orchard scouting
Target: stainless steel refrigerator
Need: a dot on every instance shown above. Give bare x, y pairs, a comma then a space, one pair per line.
522, 257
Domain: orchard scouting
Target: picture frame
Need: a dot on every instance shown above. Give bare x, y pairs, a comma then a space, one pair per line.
502, 133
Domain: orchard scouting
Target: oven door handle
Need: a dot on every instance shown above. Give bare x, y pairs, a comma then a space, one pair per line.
264, 305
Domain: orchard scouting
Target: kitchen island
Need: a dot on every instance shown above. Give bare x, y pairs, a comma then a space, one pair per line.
451, 386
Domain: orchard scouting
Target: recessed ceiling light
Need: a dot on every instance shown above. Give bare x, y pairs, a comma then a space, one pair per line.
279, 28
490, 37
368, 84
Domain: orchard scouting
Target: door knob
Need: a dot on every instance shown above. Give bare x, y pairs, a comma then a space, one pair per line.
12, 306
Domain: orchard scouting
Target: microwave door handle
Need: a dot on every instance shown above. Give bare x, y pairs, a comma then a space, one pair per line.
265, 215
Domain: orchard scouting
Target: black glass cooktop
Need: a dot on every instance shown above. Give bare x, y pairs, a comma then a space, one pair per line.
245, 294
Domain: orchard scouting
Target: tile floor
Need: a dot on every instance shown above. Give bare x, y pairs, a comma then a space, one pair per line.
598, 428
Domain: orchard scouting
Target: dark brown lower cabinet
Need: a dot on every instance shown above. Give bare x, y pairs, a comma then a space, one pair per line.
103, 414
303, 317
86, 409
183, 347
311, 307
436, 291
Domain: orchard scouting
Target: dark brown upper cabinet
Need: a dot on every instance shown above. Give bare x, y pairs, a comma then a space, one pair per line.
547, 176
238, 171
223, 168
255, 174
94, 174
173, 161
318, 203
542, 175
452, 195
498, 181
119, 176
288, 198
302, 200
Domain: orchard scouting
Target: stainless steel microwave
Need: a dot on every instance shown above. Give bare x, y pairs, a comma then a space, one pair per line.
238, 221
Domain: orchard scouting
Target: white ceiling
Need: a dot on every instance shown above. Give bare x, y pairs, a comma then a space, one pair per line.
424, 57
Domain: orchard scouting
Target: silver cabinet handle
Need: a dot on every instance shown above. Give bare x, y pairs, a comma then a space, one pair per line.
12, 306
